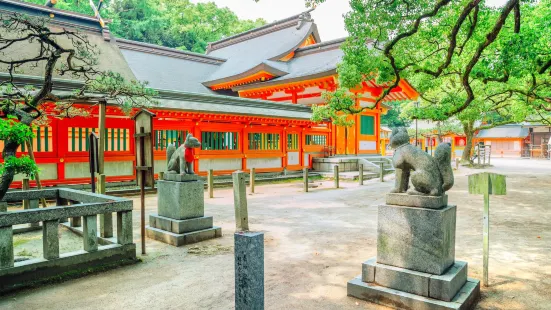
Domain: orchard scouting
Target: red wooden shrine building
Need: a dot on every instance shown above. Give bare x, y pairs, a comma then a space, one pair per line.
248, 100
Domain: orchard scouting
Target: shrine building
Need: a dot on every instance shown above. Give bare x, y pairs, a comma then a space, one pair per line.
248, 100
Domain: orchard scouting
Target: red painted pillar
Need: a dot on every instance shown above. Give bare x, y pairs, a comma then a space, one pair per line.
61, 145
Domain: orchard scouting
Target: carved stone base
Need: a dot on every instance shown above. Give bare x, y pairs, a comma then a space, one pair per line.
417, 201
466, 298
181, 177
443, 287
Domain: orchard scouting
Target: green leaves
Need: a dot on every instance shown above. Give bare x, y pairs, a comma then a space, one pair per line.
339, 106
12, 130
22, 165
455, 55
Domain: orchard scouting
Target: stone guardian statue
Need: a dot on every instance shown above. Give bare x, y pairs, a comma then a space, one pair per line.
181, 160
429, 175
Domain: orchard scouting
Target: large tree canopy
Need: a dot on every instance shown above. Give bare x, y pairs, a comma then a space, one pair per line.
457, 54
172, 23
28, 44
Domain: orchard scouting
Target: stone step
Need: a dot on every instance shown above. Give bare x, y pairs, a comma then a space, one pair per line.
183, 239
442, 287
466, 298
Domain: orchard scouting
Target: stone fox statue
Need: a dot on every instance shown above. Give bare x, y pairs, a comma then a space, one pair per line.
181, 160
430, 176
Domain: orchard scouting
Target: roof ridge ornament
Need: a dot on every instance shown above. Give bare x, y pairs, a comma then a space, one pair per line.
304, 18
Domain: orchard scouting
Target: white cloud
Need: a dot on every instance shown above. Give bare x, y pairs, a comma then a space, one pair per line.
328, 16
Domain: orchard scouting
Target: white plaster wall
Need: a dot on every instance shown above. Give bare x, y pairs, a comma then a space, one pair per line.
160, 166
220, 164
118, 168
272, 162
306, 157
293, 158
47, 172
368, 145
111, 168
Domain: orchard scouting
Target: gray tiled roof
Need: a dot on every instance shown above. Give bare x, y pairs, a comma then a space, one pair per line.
193, 102
507, 131
165, 72
316, 60
248, 54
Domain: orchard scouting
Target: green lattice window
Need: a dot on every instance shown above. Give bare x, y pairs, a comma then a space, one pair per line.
42, 141
264, 141
316, 140
367, 125
292, 142
219, 141
116, 139
165, 137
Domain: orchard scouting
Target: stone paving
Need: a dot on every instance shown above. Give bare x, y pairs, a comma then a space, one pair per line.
314, 243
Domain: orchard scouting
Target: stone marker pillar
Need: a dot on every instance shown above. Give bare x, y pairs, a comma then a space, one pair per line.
305, 180
210, 183
361, 175
382, 171
336, 175
249, 270
415, 266
251, 182
240, 201
181, 205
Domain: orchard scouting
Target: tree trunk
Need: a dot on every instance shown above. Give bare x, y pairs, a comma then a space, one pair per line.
30, 151
10, 148
469, 134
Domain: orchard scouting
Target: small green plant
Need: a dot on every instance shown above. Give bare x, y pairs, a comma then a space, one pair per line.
22, 165
12, 130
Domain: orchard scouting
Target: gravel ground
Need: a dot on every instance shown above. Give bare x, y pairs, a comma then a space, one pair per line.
315, 242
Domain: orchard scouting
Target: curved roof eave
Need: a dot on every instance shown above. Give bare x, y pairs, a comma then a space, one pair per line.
312, 31
261, 67
286, 81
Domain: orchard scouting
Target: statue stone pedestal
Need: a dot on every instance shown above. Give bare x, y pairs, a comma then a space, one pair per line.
181, 205
415, 267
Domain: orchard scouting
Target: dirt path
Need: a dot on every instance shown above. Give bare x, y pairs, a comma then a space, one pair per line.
315, 242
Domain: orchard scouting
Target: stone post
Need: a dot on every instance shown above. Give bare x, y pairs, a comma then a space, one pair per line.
75, 221
60, 202
249, 270
486, 239
240, 201
251, 182
3, 207
382, 171
6, 247
210, 181
50, 239
105, 220
90, 233
361, 175
305, 170
124, 227
336, 175
457, 163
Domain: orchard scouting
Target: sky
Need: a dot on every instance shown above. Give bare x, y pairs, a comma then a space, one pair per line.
328, 16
